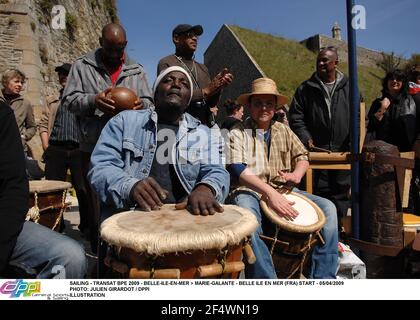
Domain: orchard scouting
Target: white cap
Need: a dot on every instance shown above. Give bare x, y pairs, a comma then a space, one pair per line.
169, 70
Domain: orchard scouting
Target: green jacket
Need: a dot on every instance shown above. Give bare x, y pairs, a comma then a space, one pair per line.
24, 114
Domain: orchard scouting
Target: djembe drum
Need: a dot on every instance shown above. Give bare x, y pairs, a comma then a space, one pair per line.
47, 202
175, 244
291, 242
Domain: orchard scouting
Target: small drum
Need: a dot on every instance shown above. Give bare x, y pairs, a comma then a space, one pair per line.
290, 242
173, 244
47, 202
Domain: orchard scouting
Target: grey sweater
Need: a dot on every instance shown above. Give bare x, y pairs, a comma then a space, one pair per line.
87, 78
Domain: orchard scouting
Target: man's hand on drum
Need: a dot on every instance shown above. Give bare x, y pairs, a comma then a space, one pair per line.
148, 194
201, 202
280, 205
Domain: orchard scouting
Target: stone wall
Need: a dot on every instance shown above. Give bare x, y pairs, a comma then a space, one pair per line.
32, 45
226, 50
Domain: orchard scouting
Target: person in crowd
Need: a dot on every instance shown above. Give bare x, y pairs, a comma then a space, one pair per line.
13, 81
206, 92
59, 131
122, 179
91, 78
235, 113
320, 116
34, 250
263, 155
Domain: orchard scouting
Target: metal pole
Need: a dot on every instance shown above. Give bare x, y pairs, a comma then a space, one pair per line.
355, 120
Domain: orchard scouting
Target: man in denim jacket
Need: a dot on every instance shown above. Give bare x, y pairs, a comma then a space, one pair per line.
145, 158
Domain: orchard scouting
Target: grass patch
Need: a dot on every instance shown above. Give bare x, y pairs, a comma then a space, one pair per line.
289, 63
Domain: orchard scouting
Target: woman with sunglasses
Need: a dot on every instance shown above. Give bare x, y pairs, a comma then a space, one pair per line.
394, 117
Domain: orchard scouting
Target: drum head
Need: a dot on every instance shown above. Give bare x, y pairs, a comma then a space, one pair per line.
169, 230
45, 186
310, 218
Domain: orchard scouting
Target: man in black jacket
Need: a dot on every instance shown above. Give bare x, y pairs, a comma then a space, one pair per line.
26, 245
320, 117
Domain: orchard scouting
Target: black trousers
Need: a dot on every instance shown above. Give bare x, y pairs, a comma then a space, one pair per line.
334, 185
93, 204
58, 159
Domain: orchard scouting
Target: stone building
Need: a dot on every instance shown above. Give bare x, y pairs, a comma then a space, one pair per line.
226, 50
365, 57
30, 43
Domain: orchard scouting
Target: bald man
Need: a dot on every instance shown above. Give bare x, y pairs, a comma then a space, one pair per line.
320, 116
90, 79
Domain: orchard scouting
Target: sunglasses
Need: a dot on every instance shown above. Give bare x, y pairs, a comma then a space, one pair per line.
189, 34
331, 48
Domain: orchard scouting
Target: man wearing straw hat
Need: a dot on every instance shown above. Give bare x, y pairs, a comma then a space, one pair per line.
263, 154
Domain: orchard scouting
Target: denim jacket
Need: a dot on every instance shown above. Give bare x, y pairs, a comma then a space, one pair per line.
126, 148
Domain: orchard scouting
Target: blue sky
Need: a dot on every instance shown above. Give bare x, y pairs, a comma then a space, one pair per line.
390, 25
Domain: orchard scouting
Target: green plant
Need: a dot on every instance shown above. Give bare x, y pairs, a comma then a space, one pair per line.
389, 62
11, 21
46, 6
71, 24
412, 62
289, 63
111, 8
93, 4
33, 26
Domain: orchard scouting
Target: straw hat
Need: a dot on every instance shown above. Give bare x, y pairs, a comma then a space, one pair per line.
263, 86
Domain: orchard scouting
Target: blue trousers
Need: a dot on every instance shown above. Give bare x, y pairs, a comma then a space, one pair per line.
324, 257
49, 254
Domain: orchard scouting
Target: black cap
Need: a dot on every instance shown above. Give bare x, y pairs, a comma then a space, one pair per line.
183, 28
65, 67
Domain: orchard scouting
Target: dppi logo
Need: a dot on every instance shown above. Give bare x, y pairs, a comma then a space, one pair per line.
20, 287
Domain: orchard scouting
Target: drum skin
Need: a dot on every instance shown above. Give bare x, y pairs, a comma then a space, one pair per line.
292, 246
186, 246
50, 201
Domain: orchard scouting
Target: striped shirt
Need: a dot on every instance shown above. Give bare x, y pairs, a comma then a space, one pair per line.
66, 126
283, 151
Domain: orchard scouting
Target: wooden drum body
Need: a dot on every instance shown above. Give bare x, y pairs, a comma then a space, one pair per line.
291, 242
173, 243
47, 202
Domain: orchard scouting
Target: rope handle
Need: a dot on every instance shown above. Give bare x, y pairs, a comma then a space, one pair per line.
33, 213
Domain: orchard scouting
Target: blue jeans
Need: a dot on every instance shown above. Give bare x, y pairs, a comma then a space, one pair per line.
324, 258
49, 254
